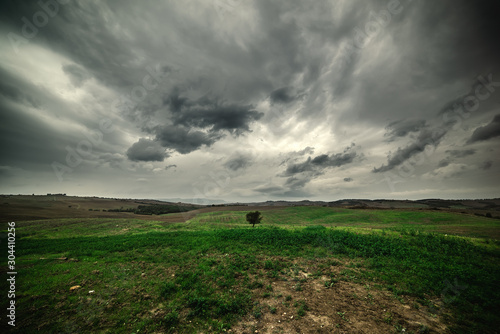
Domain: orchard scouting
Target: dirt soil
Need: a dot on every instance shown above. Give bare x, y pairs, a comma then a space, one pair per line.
345, 307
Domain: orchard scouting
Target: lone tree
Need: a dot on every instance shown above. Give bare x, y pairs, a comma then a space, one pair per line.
254, 218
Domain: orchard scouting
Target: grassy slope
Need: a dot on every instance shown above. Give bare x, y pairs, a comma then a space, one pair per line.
429, 221
204, 274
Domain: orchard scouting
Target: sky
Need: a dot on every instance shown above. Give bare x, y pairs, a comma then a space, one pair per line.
243, 101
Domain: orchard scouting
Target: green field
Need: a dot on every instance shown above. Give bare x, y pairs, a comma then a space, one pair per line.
427, 271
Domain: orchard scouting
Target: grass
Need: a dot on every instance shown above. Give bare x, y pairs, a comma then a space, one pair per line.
207, 274
397, 220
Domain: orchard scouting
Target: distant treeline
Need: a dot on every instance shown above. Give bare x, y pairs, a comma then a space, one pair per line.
156, 209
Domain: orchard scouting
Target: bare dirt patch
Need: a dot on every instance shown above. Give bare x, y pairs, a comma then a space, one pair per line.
344, 307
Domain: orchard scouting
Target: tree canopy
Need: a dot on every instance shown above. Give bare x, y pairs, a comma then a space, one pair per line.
254, 218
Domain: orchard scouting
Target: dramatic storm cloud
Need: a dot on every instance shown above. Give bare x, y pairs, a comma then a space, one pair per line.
146, 150
320, 162
246, 101
486, 132
425, 138
455, 154
403, 127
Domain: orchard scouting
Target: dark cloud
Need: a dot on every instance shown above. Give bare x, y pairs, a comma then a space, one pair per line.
212, 114
463, 36
183, 140
76, 74
462, 106
268, 189
402, 128
204, 77
464, 32
454, 154
486, 165
460, 153
283, 95
13, 93
317, 164
444, 163
300, 193
293, 155
200, 122
425, 138
81, 31
28, 142
305, 166
238, 162
294, 189
175, 101
146, 150
296, 183
6, 172
486, 132
282, 41
300, 174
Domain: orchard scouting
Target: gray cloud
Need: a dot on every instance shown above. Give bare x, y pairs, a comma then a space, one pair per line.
76, 74
444, 163
200, 122
175, 101
486, 165
115, 160
402, 128
69, 32
291, 156
486, 132
182, 139
454, 154
299, 174
348, 179
319, 163
238, 162
283, 95
296, 183
425, 138
26, 141
269, 189
307, 150
15, 94
460, 153
265, 77
146, 150
5, 172
216, 116
293, 189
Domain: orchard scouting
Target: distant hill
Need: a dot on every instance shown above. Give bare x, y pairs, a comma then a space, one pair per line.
196, 201
33, 207
478, 206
